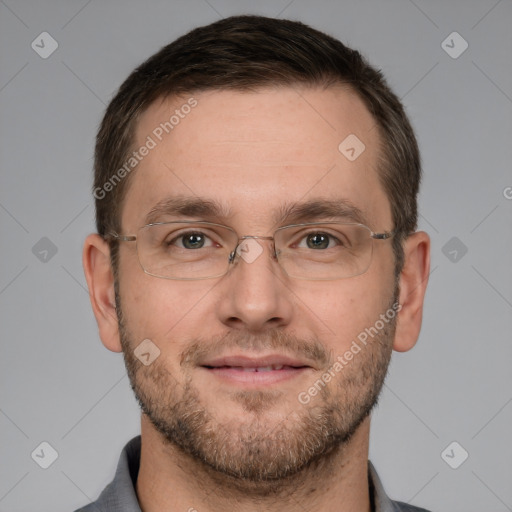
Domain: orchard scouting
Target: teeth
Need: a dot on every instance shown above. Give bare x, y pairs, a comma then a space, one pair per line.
259, 368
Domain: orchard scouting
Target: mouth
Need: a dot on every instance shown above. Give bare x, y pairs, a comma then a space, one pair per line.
254, 371
270, 368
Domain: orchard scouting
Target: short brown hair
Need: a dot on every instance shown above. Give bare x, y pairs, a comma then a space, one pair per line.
244, 53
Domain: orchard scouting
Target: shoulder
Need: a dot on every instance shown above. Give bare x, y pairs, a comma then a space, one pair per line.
404, 507
381, 502
119, 495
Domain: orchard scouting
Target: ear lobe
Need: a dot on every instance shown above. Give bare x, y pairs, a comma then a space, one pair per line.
413, 284
100, 281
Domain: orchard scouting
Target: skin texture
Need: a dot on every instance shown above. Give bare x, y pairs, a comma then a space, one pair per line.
209, 443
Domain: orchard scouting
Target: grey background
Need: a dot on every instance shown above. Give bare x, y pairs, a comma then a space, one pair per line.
58, 383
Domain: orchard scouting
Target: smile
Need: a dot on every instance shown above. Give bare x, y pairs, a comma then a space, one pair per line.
255, 372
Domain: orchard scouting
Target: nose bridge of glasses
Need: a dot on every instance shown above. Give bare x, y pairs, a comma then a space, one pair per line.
240, 248
257, 236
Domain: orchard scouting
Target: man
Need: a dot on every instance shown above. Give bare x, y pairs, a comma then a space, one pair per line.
256, 262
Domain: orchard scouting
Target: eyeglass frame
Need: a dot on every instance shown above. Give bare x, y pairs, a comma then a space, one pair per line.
385, 235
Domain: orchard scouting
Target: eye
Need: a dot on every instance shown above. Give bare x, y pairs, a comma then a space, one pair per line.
318, 240
191, 240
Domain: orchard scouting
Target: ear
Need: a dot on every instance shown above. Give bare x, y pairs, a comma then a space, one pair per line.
413, 284
100, 280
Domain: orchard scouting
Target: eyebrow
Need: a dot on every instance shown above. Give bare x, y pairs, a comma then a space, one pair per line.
292, 212
319, 209
182, 206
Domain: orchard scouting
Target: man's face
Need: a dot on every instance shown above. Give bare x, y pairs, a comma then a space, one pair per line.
256, 154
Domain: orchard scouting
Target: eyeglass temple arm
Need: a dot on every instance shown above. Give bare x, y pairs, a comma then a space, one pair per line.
382, 236
121, 238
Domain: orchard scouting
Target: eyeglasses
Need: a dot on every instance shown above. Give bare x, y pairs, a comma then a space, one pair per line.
190, 250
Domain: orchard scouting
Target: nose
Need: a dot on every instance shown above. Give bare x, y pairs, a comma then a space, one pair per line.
255, 295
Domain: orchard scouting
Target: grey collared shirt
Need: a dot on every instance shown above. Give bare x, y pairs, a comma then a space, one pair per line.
120, 495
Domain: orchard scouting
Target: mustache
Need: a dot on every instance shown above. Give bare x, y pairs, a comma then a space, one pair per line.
309, 350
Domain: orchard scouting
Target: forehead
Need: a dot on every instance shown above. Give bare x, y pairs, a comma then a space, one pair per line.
255, 152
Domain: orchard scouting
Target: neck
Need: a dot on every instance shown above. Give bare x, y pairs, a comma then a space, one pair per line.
169, 480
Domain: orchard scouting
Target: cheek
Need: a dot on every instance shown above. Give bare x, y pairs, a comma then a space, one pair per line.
162, 310
347, 311
344, 309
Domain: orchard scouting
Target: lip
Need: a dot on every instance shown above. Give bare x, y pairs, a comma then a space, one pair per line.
255, 371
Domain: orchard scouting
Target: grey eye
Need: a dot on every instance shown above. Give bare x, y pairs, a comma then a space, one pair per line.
318, 241
193, 240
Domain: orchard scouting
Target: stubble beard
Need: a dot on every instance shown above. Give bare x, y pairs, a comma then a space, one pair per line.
248, 452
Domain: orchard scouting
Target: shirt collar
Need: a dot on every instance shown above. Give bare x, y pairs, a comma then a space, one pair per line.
120, 495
